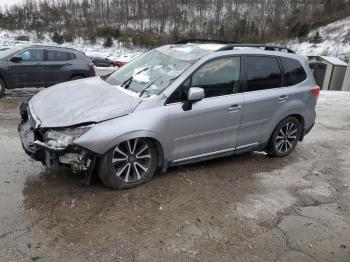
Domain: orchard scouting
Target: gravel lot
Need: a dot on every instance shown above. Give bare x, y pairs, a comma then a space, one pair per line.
245, 208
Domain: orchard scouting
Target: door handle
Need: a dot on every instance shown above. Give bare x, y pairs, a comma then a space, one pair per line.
283, 98
234, 108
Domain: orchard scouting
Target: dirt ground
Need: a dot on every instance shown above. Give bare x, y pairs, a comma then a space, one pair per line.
245, 208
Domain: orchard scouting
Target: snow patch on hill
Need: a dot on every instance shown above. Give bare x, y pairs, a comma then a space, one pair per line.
336, 41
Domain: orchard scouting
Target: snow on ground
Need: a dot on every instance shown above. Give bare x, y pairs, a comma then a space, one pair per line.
336, 42
117, 52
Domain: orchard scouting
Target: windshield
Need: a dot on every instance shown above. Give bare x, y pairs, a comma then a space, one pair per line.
150, 73
6, 51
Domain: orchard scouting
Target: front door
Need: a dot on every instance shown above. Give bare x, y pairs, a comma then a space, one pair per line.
30, 71
211, 126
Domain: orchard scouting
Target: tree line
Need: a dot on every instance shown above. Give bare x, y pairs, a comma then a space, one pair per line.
150, 22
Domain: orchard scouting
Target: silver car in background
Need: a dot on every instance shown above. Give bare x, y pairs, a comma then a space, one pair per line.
174, 105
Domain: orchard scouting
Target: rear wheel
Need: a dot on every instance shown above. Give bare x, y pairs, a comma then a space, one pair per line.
2, 87
76, 78
285, 137
129, 164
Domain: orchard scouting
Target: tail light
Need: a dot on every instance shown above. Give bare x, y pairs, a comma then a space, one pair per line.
92, 66
119, 63
315, 91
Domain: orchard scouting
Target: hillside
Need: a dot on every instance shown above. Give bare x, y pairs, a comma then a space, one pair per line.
335, 41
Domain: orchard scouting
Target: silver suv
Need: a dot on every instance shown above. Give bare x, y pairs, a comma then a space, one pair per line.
174, 105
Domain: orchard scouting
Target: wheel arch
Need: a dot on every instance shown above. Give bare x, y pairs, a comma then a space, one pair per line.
276, 123
3, 78
77, 74
154, 137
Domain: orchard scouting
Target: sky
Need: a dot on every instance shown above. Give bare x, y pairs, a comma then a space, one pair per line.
8, 2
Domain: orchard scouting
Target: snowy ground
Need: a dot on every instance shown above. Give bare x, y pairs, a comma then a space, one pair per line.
336, 42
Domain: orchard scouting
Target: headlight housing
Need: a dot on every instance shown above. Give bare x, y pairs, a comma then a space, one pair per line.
60, 139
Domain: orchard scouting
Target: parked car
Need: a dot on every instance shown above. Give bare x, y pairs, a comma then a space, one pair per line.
174, 105
41, 66
102, 62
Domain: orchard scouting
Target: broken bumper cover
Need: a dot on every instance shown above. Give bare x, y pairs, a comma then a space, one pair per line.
54, 148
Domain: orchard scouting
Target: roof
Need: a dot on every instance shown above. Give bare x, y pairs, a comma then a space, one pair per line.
189, 51
334, 60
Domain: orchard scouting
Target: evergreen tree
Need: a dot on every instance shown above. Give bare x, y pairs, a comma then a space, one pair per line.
316, 38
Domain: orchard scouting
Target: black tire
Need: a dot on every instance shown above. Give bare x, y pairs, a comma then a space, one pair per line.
108, 172
2, 87
76, 78
281, 147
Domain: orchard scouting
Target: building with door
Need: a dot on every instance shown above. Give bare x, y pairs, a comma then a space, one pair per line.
329, 72
346, 83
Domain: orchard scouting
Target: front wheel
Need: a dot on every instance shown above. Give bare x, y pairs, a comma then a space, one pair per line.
285, 137
129, 164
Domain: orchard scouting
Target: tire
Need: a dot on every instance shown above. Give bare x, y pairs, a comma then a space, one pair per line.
285, 137
76, 78
2, 87
135, 163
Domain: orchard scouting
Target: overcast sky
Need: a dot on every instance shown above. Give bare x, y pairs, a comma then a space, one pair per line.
8, 2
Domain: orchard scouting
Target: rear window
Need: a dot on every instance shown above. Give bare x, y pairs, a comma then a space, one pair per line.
263, 73
55, 55
294, 72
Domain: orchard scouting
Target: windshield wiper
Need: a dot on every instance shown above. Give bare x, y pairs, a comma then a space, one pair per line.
126, 84
145, 89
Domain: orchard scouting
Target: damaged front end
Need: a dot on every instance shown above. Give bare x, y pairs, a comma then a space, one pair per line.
54, 147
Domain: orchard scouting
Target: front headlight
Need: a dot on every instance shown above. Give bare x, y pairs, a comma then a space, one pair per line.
65, 137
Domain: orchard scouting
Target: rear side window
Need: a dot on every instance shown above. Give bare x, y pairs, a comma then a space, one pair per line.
294, 72
71, 56
263, 72
55, 55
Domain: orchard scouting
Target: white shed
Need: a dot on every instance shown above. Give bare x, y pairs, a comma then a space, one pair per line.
329, 72
346, 84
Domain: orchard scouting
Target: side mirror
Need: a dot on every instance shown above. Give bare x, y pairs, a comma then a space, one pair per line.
16, 59
195, 94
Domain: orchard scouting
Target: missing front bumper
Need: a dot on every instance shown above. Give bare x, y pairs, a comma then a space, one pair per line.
73, 156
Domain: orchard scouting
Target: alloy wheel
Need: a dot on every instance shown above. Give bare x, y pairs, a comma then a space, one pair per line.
131, 160
287, 137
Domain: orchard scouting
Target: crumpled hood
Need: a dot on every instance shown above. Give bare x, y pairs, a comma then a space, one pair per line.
81, 101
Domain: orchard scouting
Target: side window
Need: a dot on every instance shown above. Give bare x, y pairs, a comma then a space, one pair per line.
72, 56
217, 78
32, 55
263, 72
54, 55
294, 72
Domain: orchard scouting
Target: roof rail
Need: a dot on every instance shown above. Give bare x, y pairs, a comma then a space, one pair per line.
265, 47
203, 41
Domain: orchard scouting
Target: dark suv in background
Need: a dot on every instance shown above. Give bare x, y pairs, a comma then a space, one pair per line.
41, 66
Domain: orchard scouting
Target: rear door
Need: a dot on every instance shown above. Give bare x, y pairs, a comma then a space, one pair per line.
58, 66
212, 125
274, 87
263, 96
30, 71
